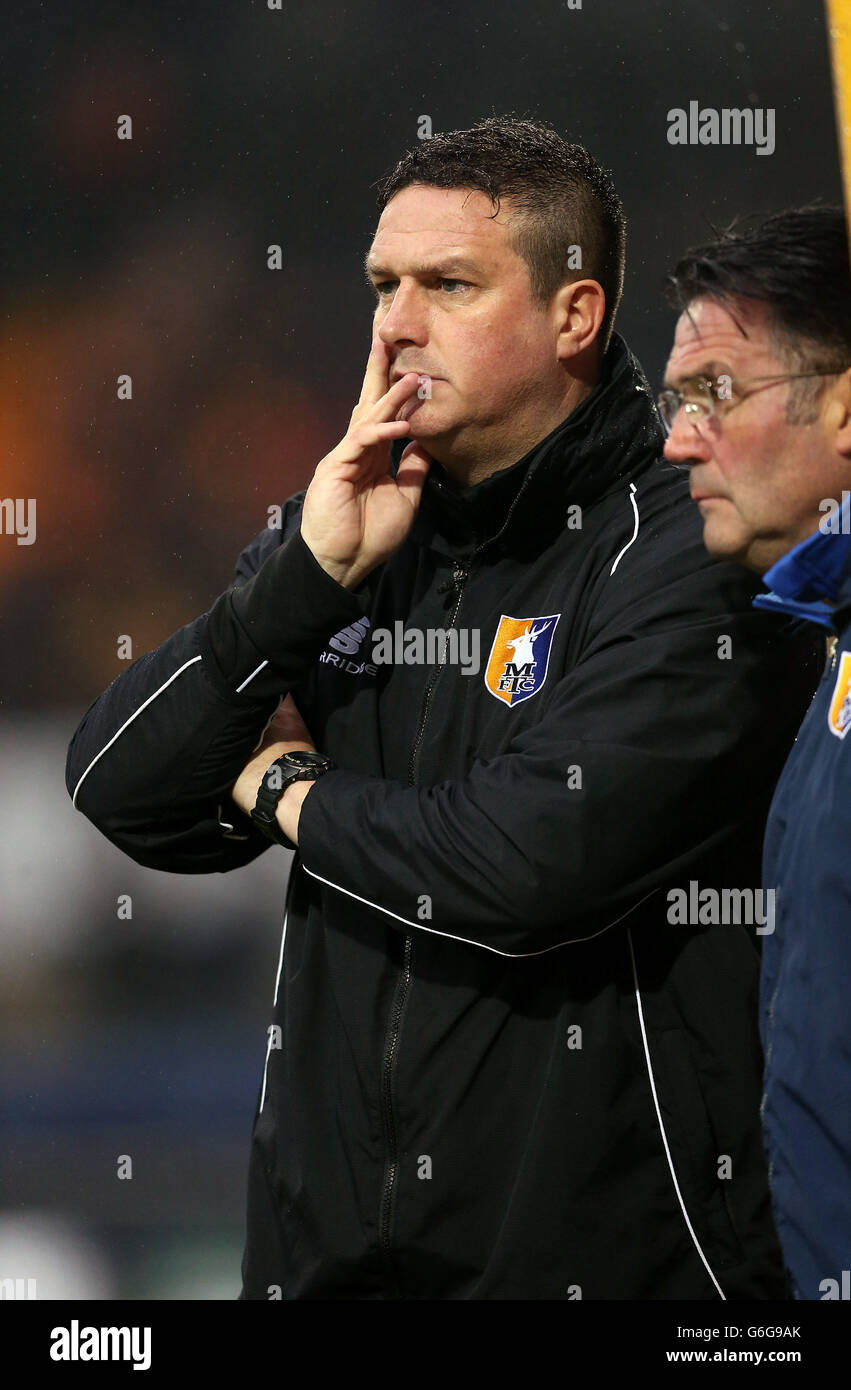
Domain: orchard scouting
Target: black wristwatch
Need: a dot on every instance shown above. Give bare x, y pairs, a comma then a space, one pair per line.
299, 766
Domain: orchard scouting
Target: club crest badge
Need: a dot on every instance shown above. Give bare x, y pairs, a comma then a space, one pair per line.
519, 657
839, 714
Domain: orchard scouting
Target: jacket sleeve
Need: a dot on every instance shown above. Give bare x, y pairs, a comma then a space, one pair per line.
154, 758
648, 755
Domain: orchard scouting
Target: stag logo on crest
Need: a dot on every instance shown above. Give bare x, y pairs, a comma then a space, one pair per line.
519, 657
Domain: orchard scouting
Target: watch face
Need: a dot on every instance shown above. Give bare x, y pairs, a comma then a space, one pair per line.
301, 758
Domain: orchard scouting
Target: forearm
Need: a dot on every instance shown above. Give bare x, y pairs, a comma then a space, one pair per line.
286, 732
265, 634
154, 758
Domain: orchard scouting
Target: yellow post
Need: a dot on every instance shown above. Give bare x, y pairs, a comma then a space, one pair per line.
839, 28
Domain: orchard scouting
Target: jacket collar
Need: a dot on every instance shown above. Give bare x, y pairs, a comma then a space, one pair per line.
615, 432
813, 579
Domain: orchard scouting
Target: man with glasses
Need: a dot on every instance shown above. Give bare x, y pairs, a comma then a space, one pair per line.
758, 408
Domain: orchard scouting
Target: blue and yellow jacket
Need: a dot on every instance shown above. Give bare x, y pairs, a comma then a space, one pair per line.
805, 993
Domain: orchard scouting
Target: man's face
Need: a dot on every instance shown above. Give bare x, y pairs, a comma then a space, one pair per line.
757, 479
455, 304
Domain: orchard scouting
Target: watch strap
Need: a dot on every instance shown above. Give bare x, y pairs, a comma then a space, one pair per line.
277, 777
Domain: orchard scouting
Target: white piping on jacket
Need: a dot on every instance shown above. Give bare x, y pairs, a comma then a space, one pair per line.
467, 940
144, 705
128, 722
691, 1231
227, 827
274, 1002
619, 557
251, 677
481, 944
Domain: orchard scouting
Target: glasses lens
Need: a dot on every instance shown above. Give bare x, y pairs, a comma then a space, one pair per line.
669, 404
695, 397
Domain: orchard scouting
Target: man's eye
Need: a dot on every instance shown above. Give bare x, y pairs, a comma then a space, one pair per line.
385, 287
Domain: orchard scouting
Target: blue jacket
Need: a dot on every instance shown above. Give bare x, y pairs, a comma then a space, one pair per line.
805, 988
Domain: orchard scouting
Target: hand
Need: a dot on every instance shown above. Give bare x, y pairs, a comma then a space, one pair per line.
287, 726
285, 732
355, 514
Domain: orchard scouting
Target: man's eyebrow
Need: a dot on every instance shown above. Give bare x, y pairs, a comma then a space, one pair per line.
710, 369
375, 271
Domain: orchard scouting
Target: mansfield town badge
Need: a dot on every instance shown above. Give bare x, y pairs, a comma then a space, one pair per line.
517, 665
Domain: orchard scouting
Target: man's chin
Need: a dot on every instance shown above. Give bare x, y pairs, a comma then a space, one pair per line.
724, 541
426, 424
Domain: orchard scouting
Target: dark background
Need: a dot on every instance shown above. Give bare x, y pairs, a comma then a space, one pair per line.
250, 127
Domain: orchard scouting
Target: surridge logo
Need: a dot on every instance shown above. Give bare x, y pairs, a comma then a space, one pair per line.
345, 644
348, 639
519, 657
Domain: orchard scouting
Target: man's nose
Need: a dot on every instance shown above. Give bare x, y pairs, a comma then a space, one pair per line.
405, 320
685, 443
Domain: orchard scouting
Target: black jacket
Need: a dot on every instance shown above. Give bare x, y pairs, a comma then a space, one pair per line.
501, 1071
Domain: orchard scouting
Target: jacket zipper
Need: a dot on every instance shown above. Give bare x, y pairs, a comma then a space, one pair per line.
459, 575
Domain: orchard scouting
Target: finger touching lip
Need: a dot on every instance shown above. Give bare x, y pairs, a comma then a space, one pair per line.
396, 374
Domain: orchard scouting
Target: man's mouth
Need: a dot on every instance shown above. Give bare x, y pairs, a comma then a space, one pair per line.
397, 374
701, 493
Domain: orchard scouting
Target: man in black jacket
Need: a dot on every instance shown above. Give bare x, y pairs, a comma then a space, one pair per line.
501, 1063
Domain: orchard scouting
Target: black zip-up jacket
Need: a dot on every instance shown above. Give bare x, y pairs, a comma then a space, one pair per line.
495, 1067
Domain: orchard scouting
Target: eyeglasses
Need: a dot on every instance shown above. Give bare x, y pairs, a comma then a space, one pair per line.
700, 396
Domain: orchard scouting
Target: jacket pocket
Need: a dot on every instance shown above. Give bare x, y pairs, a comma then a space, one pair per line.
697, 1153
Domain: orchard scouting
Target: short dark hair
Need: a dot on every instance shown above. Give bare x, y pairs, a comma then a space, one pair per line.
563, 198
796, 263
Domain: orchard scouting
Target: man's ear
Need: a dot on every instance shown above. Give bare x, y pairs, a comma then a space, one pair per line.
838, 415
579, 309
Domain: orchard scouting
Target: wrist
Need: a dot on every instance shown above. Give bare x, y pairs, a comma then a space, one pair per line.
244, 790
348, 574
288, 809
276, 808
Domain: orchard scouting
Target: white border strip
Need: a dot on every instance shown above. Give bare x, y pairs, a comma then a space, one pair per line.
128, 722
251, 677
274, 1002
691, 1232
634, 534
468, 940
